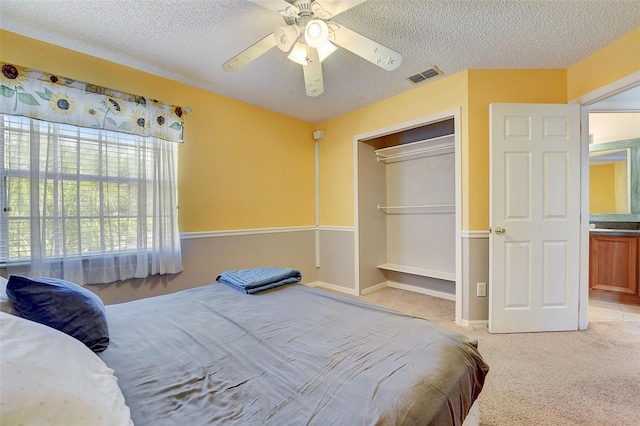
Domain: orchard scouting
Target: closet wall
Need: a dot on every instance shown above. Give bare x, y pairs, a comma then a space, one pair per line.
406, 210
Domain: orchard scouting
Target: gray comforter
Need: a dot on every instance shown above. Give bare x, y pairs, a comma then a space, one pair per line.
288, 356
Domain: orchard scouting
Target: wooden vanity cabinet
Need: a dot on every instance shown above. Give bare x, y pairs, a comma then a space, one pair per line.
613, 267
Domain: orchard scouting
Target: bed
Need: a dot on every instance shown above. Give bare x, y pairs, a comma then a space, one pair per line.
292, 355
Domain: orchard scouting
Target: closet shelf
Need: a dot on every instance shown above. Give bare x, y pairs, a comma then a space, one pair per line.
442, 275
425, 148
423, 209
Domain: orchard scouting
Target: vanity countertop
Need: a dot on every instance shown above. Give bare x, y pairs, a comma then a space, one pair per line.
604, 231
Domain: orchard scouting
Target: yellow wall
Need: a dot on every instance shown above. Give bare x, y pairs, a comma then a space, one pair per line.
240, 166
499, 86
473, 91
336, 149
611, 63
246, 167
602, 195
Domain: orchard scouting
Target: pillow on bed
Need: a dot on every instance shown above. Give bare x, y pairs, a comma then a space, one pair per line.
50, 378
62, 305
5, 304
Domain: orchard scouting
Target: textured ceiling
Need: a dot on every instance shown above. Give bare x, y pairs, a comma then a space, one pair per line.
189, 40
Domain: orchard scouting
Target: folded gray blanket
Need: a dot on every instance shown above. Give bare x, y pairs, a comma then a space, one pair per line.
259, 279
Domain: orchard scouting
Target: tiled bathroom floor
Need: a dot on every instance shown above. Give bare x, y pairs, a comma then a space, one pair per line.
602, 310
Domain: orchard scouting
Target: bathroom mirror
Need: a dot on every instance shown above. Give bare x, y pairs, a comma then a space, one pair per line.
614, 181
614, 159
609, 182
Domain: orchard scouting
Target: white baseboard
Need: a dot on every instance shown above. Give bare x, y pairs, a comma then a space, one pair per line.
393, 284
373, 288
428, 292
474, 323
340, 289
400, 286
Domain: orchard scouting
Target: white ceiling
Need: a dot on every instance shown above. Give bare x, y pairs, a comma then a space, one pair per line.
189, 40
627, 101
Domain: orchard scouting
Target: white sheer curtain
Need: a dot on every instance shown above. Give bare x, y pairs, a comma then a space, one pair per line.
87, 205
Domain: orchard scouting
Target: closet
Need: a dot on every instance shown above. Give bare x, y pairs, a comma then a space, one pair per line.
407, 210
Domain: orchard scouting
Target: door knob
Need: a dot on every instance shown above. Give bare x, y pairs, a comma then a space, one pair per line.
500, 230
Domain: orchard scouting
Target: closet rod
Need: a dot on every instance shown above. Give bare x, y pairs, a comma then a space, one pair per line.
435, 150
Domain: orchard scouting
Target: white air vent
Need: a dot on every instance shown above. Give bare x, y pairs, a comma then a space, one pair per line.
425, 75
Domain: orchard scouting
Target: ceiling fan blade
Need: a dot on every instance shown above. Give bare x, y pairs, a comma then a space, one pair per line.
279, 6
368, 49
334, 7
313, 74
249, 54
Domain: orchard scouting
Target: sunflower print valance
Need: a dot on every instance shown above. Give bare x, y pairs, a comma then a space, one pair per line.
43, 96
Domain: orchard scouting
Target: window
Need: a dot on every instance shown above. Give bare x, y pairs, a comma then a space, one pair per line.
87, 205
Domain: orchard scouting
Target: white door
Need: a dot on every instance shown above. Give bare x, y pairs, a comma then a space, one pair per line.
535, 217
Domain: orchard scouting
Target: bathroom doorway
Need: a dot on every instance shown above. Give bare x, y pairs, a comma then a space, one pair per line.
614, 207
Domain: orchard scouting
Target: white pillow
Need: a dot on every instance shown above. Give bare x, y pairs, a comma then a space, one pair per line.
49, 377
5, 304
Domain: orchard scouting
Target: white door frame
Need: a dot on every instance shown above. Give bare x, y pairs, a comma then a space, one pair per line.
611, 89
407, 125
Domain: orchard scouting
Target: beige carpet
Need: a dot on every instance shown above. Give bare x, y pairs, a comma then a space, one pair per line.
589, 377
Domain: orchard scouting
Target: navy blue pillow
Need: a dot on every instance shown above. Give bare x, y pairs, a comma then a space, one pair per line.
63, 305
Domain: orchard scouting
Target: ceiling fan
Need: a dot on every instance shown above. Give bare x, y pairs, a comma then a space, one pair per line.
309, 35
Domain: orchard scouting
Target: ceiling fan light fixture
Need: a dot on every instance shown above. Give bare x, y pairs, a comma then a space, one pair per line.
325, 50
316, 33
299, 54
286, 36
